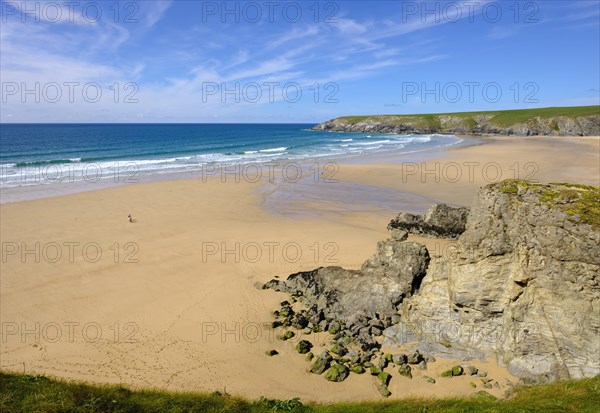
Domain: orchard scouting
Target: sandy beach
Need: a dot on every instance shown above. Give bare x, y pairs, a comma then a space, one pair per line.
173, 301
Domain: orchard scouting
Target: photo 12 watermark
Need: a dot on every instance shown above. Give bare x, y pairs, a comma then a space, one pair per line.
70, 172
69, 92
430, 12
269, 92
271, 252
467, 171
73, 12
326, 12
69, 331
69, 252
270, 172
470, 92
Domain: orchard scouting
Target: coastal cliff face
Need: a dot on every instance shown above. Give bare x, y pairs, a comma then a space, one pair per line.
521, 285
468, 124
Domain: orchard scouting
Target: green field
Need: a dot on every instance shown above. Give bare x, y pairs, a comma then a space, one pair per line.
24, 393
501, 118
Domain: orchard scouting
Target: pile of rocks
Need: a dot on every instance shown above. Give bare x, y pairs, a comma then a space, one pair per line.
343, 354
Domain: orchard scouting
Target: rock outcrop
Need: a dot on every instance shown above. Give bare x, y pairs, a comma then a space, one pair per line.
440, 221
364, 300
564, 123
522, 285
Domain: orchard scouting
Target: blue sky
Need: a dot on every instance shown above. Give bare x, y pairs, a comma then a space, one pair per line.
174, 61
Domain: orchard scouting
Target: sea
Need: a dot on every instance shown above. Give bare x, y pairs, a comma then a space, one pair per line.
38, 155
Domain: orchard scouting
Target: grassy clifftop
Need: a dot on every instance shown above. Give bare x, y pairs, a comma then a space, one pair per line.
24, 393
578, 120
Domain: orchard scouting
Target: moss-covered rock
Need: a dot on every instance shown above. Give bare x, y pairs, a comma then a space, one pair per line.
321, 364
383, 390
358, 369
384, 378
337, 373
457, 371
338, 349
429, 379
303, 346
288, 335
286, 312
400, 359
405, 370
334, 327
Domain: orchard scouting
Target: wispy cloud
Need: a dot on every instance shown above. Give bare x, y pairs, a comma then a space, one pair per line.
156, 9
498, 32
171, 54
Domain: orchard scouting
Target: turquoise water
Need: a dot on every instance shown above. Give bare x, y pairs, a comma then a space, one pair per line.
28, 152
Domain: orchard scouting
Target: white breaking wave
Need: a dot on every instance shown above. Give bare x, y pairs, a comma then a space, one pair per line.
78, 170
372, 143
283, 148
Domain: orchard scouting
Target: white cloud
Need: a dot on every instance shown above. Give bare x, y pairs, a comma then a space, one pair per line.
501, 32
348, 50
156, 10
349, 26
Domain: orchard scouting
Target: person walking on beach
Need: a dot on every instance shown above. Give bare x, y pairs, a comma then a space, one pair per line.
129, 218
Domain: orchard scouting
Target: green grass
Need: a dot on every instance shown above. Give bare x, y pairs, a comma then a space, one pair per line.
580, 202
502, 118
23, 393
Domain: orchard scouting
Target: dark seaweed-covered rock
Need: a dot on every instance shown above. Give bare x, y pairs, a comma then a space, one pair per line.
303, 346
288, 335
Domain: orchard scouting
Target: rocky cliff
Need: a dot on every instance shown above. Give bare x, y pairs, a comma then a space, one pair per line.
583, 121
522, 284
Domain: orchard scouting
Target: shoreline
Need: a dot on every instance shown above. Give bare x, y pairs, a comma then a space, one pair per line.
176, 295
51, 190
111, 179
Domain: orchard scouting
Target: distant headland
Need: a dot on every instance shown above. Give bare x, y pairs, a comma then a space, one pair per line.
556, 121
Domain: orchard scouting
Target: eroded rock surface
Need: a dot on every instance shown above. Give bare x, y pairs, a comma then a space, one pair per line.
522, 284
364, 300
440, 221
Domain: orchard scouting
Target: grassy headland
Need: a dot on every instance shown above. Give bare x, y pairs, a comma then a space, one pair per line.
577, 120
